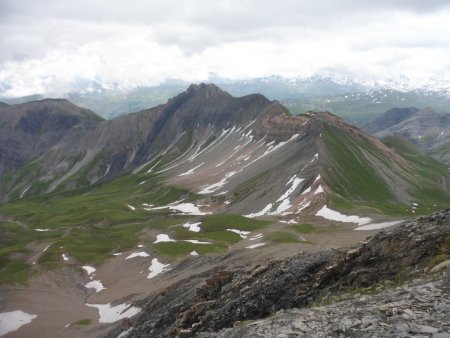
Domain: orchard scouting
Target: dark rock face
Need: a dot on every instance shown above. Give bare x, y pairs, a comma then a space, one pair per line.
218, 299
390, 118
39, 121
197, 108
31, 129
419, 307
69, 138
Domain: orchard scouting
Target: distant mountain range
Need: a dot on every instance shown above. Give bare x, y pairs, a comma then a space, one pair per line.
361, 108
248, 150
356, 102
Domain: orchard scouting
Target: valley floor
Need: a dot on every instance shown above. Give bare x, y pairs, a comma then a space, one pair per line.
58, 298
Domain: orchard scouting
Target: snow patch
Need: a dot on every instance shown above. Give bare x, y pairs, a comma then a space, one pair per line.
194, 227
303, 206
332, 215
23, 192
295, 182
111, 314
263, 212
184, 208
292, 221
41, 230
95, 284
12, 321
89, 269
318, 190
315, 157
270, 150
163, 238
207, 189
306, 191
48, 246
284, 199
188, 209
255, 246
376, 226
279, 145
125, 333
195, 241
248, 134
221, 193
157, 268
65, 257
150, 170
193, 253
131, 207
191, 171
138, 254
256, 237
241, 233
285, 205
107, 170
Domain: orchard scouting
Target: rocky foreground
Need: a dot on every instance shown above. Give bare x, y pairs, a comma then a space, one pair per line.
395, 284
420, 308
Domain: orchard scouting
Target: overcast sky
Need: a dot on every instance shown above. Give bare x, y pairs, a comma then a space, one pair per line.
46, 46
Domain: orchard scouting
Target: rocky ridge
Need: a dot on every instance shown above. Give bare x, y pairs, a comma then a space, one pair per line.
420, 308
208, 303
249, 150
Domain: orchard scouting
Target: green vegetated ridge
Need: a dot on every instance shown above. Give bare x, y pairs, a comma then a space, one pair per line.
431, 179
357, 182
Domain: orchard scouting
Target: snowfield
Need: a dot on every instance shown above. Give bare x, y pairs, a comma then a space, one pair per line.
11, 321
111, 314
138, 254
254, 246
95, 284
333, 215
376, 226
89, 269
194, 227
157, 268
163, 238
241, 233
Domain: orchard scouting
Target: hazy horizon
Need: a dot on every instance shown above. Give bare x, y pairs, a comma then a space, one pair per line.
53, 46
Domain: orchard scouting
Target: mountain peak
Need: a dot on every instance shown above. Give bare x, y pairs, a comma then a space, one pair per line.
207, 90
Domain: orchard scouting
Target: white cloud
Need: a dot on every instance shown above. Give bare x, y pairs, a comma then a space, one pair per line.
47, 48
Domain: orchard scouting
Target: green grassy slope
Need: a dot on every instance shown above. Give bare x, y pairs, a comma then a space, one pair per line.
358, 181
431, 178
91, 224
